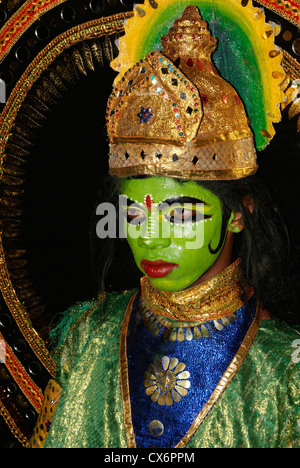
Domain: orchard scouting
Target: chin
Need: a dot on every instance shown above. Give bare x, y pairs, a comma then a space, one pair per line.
169, 285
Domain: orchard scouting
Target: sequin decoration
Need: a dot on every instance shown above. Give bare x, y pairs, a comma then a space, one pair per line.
145, 115
156, 428
166, 381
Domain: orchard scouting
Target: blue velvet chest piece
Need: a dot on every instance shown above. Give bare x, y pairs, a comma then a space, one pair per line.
171, 381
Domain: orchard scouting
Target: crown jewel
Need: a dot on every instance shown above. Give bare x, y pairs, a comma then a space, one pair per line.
172, 115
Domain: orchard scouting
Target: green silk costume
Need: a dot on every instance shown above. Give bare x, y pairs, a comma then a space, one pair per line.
259, 407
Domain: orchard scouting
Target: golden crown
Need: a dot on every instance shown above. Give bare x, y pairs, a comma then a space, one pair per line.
172, 114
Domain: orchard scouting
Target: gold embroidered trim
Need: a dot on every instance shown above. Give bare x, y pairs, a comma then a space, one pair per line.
291, 66
12, 425
20, 315
124, 377
218, 174
219, 159
21, 20
289, 10
226, 378
29, 388
216, 298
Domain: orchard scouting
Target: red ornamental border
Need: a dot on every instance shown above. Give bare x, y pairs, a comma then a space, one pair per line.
31, 10
32, 392
20, 21
289, 9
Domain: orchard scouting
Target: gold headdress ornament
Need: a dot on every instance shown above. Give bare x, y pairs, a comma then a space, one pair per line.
172, 114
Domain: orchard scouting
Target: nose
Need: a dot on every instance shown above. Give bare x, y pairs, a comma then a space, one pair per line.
152, 235
154, 242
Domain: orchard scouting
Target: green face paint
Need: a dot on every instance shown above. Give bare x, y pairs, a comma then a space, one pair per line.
172, 229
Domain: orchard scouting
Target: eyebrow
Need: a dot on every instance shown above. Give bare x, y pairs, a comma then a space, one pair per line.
181, 200
170, 201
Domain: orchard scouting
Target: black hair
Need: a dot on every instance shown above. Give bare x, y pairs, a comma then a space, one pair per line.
263, 246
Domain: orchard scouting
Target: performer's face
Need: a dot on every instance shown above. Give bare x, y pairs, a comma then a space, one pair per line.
171, 229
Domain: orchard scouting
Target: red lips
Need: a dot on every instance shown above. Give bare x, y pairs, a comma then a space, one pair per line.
157, 268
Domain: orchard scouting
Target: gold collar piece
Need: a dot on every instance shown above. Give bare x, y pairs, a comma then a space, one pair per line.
218, 297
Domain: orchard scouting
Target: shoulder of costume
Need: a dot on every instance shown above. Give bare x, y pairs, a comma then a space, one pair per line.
279, 331
87, 314
83, 322
280, 345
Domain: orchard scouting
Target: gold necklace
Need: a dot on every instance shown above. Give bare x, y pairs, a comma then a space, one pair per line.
183, 332
216, 298
195, 312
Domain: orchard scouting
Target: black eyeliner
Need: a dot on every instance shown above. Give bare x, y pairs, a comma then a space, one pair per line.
182, 200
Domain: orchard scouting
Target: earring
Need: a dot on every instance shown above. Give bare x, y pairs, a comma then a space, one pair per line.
233, 228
